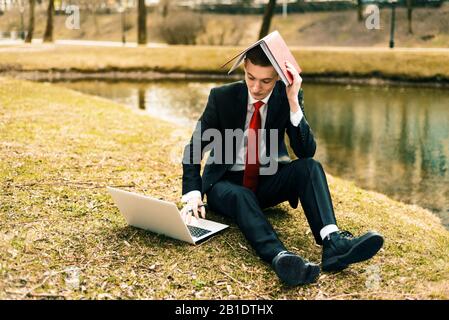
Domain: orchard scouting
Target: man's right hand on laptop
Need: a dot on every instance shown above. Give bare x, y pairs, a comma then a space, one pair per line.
193, 207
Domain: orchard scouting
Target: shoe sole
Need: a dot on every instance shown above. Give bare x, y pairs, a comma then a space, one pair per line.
293, 271
361, 252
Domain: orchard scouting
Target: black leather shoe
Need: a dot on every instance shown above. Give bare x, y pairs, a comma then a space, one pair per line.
294, 270
341, 248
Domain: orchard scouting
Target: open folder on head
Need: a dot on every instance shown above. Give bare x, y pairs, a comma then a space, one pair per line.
277, 52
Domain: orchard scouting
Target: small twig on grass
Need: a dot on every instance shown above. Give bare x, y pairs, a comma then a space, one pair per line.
344, 295
132, 236
229, 244
231, 277
122, 186
47, 295
26, 294
13, 292
53, 273
239, 282
89, 184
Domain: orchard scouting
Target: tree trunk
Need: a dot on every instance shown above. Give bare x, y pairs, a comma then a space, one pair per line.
29, 37
165, 4
141, 23
409, 15
94, 15
360, 10
48, 35
268, 15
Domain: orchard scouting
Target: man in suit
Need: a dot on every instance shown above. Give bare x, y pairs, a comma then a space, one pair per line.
238, 188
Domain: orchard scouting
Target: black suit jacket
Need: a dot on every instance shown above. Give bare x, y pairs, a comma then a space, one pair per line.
226, 109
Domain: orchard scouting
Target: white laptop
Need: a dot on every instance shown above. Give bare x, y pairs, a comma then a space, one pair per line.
162, 217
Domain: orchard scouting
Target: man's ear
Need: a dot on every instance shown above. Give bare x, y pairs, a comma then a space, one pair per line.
244, 64
277, 77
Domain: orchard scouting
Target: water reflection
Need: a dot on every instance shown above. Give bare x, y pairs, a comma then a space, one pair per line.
141, 98
394, 140
178, 101
389, 139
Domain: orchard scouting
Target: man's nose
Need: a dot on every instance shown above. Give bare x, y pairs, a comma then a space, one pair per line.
256, 86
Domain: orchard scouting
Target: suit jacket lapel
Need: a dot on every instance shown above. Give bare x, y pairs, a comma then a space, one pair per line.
241, 106
273, 110
273, 107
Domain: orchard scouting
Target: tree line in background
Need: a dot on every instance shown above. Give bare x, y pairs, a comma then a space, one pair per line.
164, 7
91, 5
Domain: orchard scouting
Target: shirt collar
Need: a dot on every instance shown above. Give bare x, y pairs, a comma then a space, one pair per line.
251, 100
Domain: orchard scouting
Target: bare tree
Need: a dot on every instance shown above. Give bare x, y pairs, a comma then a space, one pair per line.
30, 22
141, 23
359, 10
409, 15
267, 17
165, 5
48, 35
93, 7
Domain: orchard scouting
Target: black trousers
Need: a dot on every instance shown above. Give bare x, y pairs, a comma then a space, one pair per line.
303, 178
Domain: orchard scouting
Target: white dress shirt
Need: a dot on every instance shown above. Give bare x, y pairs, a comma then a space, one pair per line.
295, 119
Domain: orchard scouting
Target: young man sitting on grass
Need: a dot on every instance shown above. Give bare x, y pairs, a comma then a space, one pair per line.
240, 190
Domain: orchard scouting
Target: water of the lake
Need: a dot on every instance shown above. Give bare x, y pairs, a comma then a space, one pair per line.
394, 140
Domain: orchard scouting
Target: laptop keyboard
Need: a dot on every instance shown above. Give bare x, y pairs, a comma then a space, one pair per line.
197, 232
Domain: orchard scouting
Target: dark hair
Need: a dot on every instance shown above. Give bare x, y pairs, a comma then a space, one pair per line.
258, 57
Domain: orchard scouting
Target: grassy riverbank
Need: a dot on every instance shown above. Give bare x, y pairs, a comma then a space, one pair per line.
397, 64
59, 149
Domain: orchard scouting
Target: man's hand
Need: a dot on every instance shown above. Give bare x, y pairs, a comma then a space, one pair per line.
194, 206
293, 89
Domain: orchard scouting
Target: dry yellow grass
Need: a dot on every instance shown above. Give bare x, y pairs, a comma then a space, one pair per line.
58, 151
391, 64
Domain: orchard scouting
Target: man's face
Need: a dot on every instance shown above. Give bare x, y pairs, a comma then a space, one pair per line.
260, 80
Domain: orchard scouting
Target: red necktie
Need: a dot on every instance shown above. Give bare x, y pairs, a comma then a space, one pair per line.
251, 174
